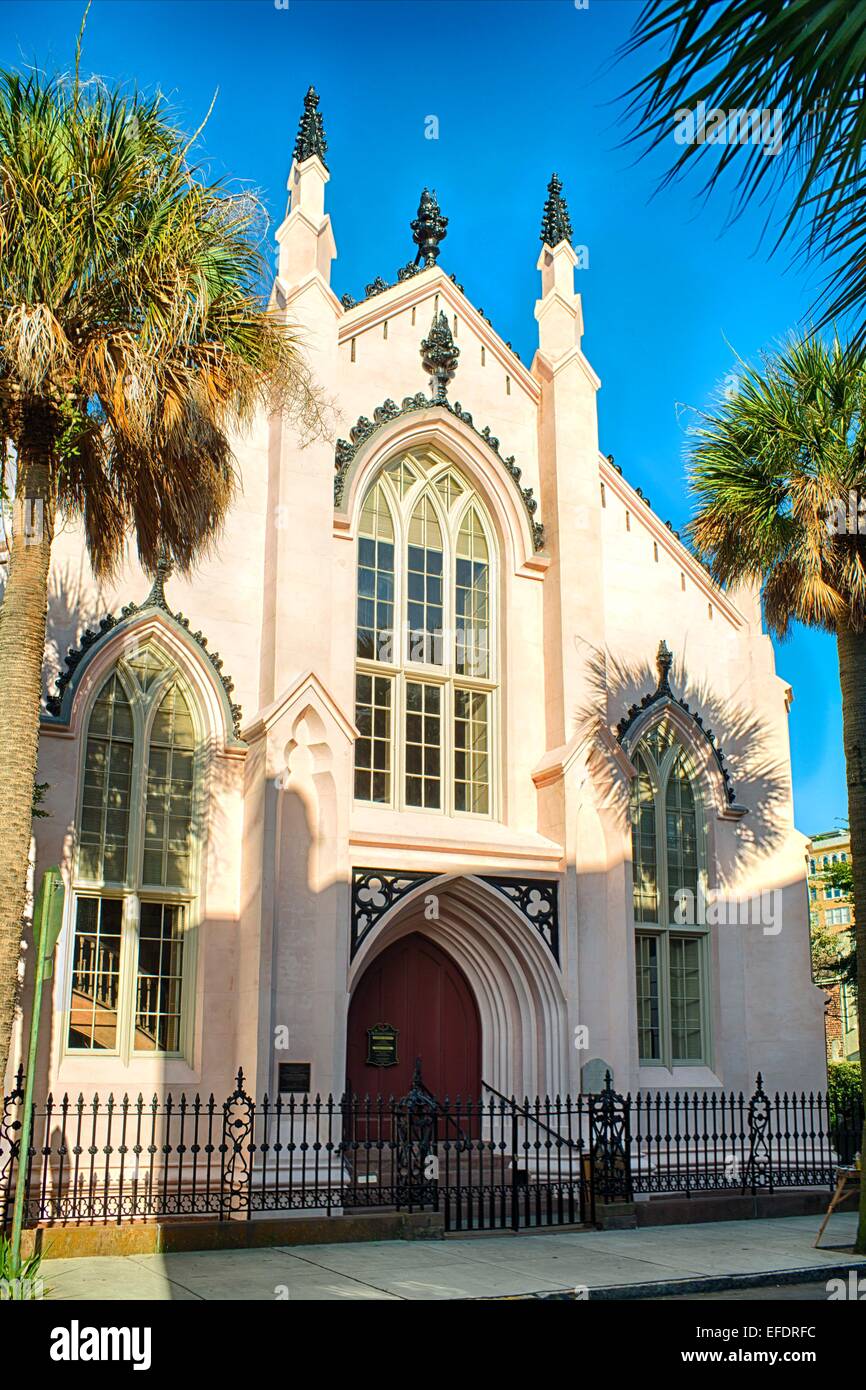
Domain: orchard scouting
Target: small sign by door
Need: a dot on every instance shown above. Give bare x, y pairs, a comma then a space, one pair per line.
293, 1077
382, 1046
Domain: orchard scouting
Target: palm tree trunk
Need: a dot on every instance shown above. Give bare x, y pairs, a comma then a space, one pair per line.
22, 646
852, 674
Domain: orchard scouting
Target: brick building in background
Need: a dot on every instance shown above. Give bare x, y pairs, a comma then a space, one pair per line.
831, 911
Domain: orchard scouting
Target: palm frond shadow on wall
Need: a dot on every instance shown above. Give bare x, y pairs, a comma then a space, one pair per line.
759, 776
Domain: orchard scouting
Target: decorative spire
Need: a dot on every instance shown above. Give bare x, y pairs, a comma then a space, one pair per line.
311, 133
555, 223
439, 354
156, 598
664, 662
428, 229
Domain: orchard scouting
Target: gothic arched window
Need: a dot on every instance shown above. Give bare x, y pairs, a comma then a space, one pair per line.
668, 897
134, 881
425, 661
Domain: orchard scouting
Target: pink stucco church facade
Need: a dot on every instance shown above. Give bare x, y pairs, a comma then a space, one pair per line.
450, 748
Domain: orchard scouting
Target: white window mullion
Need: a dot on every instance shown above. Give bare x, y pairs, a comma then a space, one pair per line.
134, 877
189, 968
401, 657
398, 796
139, 793
126, 991
666, 1047
448, 749
662, 909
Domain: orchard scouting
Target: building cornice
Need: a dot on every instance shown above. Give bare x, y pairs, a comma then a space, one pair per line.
663, 532
316, 281
558, 761
409, 294
299, 215
305, 685
545, 854
548, 368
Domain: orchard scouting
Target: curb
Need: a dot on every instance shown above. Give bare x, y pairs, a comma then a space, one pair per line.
668, 1288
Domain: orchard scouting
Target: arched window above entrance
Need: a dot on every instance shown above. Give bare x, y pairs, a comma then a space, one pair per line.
426, 658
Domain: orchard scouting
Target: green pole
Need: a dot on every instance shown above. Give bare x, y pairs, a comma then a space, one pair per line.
47, 921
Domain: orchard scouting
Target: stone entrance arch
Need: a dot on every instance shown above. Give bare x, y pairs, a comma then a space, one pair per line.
513, 976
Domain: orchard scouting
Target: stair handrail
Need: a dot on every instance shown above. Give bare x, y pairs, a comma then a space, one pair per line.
523, 1110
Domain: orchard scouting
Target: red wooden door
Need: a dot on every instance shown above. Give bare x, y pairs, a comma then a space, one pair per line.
416, 988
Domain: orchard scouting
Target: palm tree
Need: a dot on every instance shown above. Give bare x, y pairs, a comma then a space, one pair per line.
774, 468
132, 341
802, 60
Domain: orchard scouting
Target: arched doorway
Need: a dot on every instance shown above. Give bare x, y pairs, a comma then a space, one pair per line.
414, 988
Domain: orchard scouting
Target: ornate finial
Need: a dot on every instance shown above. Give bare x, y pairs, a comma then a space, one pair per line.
418, 1097
439, 354
555, 222
428, 229
156, 597
311, 133
664, 662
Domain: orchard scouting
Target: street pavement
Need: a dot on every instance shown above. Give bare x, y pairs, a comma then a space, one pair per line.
654, 1262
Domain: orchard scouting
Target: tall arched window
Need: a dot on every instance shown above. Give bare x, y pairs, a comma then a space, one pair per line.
135, 863
671, 946
425, 658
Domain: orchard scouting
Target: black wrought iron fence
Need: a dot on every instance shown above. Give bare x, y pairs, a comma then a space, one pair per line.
712, 1141
492, 1163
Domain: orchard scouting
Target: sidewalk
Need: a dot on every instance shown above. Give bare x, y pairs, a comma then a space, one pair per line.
655, 1261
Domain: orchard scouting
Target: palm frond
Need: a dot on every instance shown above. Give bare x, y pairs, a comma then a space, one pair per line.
806, 60
129, 284
767, 469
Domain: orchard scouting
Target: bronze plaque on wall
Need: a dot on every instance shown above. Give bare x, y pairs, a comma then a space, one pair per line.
293, 1076
382, 1046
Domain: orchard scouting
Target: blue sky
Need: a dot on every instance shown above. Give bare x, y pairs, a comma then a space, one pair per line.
670, 295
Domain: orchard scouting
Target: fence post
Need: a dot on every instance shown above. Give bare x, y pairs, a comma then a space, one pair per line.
610, 1143
236, 1167
515, 1191
759, 1141
414, 1138
10, 1125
